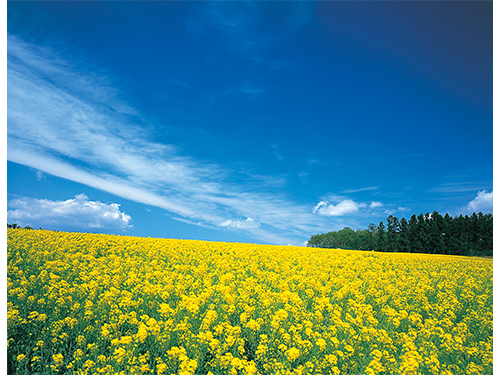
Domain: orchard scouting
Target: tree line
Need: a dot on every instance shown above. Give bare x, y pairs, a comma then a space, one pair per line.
430, 233
15, 226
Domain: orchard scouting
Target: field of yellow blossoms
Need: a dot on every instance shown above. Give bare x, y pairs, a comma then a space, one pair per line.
103, 304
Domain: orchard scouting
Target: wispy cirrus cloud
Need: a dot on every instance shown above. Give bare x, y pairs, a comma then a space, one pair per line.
392, 211
350, 191
70, 123
460, 187
72, 214
277, 152
414, 155
250, 29
246, 90
179, 83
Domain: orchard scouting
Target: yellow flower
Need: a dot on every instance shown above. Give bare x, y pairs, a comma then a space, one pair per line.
58, 359
321, 344
126, 340
349, 349
105, 330
292, 354
142, 333
250, 369
78, 354
119, 354
161, 368
326, 311
41, 317
332, 359
253, 325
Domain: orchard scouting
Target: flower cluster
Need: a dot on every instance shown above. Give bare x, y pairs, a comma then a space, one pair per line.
104, 304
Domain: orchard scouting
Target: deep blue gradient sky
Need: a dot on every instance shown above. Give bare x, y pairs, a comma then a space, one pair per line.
261, 122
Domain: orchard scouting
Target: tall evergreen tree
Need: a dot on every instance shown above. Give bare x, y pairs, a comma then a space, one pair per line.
435, 233
392, 233
422, 239
460, 231
404, 236
486, 233
429, 233
414, 237
448, 242
381, 237
474, 234
372, 229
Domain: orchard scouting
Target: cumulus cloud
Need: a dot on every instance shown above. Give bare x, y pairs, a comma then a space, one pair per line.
347, 206
72, 214
249, 223
483, 202
376, 204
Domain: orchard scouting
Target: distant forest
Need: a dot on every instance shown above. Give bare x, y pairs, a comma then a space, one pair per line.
430, 233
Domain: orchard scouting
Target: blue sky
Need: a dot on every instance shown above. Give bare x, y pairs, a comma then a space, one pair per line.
263, 122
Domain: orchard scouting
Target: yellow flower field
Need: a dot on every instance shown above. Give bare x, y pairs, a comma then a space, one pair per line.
104, 304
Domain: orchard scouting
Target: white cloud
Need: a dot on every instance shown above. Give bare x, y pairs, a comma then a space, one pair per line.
347, 206
460, 187
71, 124
72, 214
350, 191
393, 211
483, 202
40, 176
375, 204
249, 223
